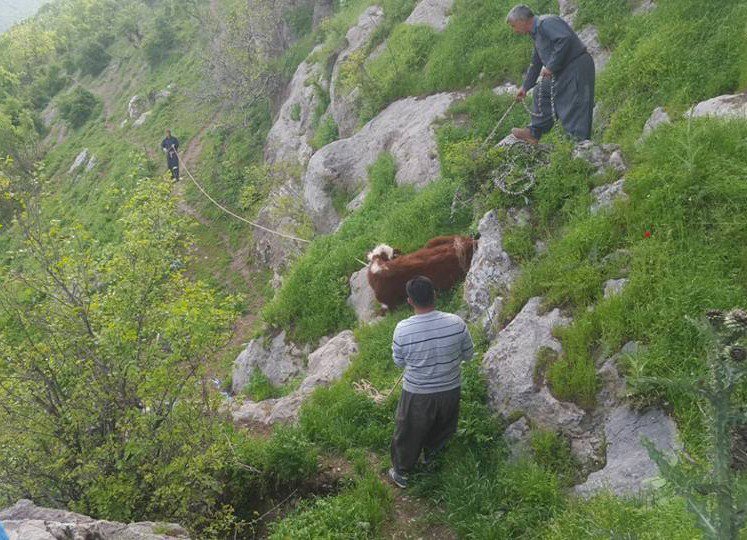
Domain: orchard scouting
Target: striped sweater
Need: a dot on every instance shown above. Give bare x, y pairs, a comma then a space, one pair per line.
431, 347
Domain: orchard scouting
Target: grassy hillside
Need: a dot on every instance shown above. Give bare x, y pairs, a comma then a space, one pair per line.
110, 232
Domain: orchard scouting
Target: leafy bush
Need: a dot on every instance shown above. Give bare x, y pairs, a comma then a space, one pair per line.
93, 57
78, 106
159, 41
289, 456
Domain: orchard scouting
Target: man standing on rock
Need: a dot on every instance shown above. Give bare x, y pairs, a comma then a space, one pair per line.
430, 346
170, 146
566, 70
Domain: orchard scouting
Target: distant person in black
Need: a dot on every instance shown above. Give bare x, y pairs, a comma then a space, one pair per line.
170, 145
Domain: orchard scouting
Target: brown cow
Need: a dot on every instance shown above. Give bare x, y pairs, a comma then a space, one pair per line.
444, 259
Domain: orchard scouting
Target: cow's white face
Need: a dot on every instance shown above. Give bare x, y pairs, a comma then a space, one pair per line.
382, 251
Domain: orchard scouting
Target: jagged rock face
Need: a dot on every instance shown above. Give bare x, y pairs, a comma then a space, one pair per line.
26, 521
491, 267
323, 9
728, 106
606, 195
433, 13
658, 118
326, 365
404, 128
600, 156
278, 360
343, 106
288, 139
362, 298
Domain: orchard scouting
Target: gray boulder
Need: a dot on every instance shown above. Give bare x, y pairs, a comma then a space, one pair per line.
729, 106
517, 437
327, 364
606, 195
26, 521
136, 107
288, 139
568, 10
362, 298
629, 469
278, 360
506, 89
644, 6
404, 128
600, 156
142, 118
433, 13
659, 117
614, 287
344, 105
491, 271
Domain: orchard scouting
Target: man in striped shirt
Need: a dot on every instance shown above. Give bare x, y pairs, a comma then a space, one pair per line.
430, 346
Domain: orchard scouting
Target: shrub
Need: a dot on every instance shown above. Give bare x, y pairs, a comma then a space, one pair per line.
93, 57
326, 132
78, 106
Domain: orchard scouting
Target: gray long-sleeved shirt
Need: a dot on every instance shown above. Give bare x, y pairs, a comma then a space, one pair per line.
431, 347
555, 46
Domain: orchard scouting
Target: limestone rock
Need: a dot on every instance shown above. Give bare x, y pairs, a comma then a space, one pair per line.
600, 156
506, 89
613, 287
658, 118
568, 10
433, 13
343, 106
644, 6
606, 195
323, 9
491, 268
589, 35
136, 107
517, 437
362, 298
327, 364
489, 320
141, 119
278, 360
79, 161
628, 465
26, 521
728, 106
284, 212
92, 162
288, 139
404, 128
49, 115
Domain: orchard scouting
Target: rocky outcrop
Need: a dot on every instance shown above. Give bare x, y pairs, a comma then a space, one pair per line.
659, 117
83, 158
606, 195
492, 272
362, 298
289, 138
568, 10
137, 107
343, 105
513, 371
506, 89
729, 106
405, 128
644, 6
277, 360
433, 13
326, 364
600, 156
613, 287
26, 521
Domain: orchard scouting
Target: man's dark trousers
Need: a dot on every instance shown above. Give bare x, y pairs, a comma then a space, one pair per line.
424, 422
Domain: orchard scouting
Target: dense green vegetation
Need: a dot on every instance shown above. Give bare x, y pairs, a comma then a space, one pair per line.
114, 308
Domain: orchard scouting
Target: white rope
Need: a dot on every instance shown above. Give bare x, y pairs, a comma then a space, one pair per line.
227, 211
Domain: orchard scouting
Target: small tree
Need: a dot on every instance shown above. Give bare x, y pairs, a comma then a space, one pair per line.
715, 497
77, 106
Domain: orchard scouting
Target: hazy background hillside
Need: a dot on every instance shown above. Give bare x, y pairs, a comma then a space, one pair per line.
12, 11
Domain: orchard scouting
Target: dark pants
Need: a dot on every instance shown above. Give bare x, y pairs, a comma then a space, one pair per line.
574, 100
173, 165
424, 422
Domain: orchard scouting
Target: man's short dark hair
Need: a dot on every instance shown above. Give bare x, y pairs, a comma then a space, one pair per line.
420, 290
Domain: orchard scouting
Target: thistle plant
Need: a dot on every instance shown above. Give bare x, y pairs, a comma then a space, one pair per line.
715, 497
